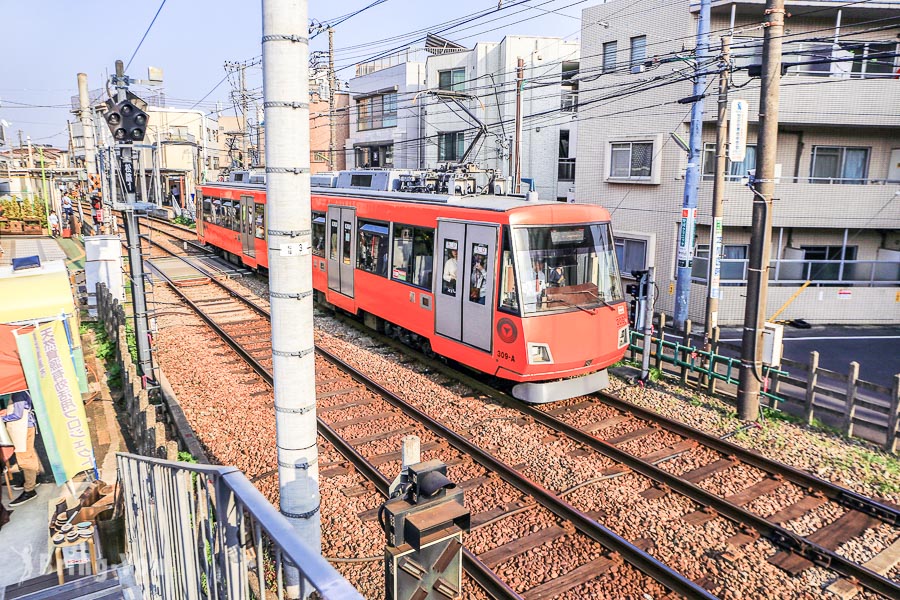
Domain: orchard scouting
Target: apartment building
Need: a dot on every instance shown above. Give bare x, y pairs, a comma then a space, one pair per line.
385, 114
478, 86
836, 214
320, 122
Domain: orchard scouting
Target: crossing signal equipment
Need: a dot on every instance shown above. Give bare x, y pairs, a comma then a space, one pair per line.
126, 121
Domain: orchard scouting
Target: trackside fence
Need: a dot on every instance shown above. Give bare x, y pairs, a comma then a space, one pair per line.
203, 531
842, 401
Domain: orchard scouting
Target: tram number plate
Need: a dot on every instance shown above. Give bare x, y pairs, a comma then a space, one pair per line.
294, 249
506, 356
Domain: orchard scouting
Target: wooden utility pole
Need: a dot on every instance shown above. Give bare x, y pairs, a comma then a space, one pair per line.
711, 335
763, 186
331, 116
517, 150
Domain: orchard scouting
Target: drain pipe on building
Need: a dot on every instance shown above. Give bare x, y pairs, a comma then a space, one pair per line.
286, 101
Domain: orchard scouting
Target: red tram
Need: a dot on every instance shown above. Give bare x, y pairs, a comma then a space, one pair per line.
527, 291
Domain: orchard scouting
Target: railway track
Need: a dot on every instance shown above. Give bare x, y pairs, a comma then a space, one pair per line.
643, 443
370, 438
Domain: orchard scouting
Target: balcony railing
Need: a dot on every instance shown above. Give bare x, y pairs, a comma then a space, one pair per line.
811, 179
566, 169
202, 531
863, 273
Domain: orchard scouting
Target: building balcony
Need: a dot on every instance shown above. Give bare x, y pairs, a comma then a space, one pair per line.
866, 203
858, 273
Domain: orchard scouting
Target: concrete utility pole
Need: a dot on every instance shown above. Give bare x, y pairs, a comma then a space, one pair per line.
286, 100
711, 331
132, 235
692, 175
763, 186
245, 130
86, 116
332, 143
517, 151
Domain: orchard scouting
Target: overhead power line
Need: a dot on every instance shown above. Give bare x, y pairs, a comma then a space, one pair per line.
149, 27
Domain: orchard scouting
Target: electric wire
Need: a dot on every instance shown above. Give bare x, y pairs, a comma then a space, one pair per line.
149, 27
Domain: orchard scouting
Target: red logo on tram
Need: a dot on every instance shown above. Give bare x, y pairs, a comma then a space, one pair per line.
507, 331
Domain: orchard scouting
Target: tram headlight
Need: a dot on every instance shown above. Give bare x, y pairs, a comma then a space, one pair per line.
539, 354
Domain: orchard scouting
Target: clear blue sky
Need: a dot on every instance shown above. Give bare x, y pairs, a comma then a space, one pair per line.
45, 44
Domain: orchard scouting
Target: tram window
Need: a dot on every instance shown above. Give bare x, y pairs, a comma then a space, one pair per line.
332, 255
227, 218
479, 273
348, 242
372, 247
318, 234
207, 209
451, 267
413, 254
509, 296
216, 214
260, 225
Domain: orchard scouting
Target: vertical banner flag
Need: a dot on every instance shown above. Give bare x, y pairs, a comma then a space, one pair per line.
53, 383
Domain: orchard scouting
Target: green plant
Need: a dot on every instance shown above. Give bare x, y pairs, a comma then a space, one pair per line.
185, 221
654, 374
186, 457
114, 376
131, 340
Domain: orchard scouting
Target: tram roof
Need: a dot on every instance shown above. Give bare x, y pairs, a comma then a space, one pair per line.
481, 201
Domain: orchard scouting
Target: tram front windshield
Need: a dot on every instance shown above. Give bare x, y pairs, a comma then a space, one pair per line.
566, 267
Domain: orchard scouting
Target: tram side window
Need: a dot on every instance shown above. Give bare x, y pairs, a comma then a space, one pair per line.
451, 267
318, 234
348, 242
260, 225
227, 219
372, 247
332, 254
413, 255
207, 209
509, 296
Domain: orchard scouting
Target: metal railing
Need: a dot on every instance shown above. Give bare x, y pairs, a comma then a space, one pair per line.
866, 273
204, 532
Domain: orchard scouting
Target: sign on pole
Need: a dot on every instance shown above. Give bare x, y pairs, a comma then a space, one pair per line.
737, 131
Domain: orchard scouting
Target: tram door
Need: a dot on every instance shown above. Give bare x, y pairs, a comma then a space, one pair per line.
340, 248
464, 285
248, 222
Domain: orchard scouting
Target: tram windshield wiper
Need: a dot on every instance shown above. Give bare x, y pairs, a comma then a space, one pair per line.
590, 311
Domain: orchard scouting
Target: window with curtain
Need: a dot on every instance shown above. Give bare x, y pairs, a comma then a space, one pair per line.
451, 145
638, 49
609, 56
631, 254
837, 164
630, 160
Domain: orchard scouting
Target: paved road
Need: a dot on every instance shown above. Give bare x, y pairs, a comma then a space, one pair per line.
876, 349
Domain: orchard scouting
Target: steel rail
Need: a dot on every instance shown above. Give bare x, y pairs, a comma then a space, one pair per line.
843, 496
643, 561
779, 536
476, 569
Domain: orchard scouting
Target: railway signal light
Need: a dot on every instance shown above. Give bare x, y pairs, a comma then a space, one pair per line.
126, 121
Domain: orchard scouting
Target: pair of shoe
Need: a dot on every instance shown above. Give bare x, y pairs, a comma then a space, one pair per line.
23, 498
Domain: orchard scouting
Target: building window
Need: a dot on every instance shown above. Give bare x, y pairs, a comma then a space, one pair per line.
215, 162
566, 165
631, 254
376, 112
452, 80
872, 59
413, 255
824, 262
451, 146
631, 160
733, 266
569, 98
734, 171
834, 164
638, 50
609, 56
372, 247
375, 156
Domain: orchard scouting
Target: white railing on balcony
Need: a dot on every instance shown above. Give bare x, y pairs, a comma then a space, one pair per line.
865, 273
204, 532
404, 56
810, 179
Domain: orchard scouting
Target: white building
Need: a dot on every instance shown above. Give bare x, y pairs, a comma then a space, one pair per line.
485, 76
384, 115
836, 215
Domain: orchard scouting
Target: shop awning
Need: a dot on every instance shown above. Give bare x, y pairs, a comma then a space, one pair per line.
12, 377
35, 294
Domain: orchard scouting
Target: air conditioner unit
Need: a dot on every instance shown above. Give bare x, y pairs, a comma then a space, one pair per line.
638, 69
